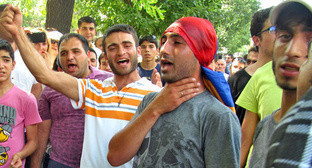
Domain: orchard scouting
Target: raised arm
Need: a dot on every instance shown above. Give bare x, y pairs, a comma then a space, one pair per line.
11, 29
125, 144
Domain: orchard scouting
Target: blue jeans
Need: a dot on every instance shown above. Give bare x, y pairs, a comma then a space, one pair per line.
55, 164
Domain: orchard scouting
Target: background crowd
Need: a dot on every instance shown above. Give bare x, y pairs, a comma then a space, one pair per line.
77, 100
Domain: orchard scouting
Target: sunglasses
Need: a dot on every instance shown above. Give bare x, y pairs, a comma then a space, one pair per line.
270, 29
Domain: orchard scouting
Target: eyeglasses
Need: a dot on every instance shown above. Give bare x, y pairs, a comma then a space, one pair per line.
270, 29
251, 61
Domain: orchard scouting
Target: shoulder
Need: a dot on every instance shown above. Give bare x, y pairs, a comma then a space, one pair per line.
24, 97
145, 84
99, 74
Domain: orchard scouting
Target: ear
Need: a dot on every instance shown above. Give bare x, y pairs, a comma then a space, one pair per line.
88, 55
13, 65
78, 30
139, 51
256, 40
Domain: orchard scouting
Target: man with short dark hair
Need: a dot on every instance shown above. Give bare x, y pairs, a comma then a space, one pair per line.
61, 121
87, 28
109, 105
149, 50
184, 125
252, 55
228, 59
261, 95
293, 34
93, 57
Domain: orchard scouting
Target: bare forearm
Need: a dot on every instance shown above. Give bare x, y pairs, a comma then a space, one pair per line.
131, 138
43, 136
248, 130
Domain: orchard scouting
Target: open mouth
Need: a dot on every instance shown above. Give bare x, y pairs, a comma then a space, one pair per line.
289, 70
71, 67
166, 65
123, 62
290, 67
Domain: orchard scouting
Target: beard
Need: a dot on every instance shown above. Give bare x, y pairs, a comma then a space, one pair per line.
116, 71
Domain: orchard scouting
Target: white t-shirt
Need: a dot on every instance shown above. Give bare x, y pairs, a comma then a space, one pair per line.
21, 76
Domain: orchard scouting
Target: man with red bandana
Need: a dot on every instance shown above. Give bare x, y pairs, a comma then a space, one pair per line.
186, 124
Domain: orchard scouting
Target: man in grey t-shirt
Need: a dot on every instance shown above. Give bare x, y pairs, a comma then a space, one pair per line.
188, 123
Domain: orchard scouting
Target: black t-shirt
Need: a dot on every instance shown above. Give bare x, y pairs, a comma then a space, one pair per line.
237, 84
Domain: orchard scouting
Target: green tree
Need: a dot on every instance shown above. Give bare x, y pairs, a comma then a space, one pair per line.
231, 18
34, 12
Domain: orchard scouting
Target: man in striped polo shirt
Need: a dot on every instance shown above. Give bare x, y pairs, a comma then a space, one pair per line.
109, 105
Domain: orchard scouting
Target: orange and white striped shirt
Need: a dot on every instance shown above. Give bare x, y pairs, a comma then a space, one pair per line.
107, 111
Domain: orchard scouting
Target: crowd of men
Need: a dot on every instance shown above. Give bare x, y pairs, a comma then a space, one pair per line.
75, 100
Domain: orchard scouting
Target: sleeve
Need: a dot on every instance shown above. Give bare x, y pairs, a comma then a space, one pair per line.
80, 104
248, 99
222, 141
30, 111
44, 105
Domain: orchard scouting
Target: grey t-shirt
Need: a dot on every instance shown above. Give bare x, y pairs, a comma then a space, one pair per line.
261, 141
201, 132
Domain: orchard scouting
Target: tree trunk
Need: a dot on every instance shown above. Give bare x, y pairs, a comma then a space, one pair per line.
59, 14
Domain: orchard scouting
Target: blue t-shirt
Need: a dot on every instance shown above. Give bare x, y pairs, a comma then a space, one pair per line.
147, 73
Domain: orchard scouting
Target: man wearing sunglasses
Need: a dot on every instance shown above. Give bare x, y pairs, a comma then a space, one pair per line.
261, 95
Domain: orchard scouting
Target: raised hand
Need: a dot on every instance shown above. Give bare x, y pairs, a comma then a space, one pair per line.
155, 78
10, 22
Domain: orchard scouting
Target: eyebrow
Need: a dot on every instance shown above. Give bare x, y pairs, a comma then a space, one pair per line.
5, 56
171, 35
115, 44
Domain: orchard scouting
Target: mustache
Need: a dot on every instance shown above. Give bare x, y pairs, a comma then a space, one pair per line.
166, 57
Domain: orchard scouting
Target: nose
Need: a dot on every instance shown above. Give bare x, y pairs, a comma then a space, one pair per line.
70, 56
121, 50
165, 48
298, 47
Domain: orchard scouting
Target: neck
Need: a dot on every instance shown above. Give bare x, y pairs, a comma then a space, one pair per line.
123, 80
262, 60
5, 87
288, 100
148, 65
87, 73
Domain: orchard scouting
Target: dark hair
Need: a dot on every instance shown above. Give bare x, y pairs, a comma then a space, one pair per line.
100, 57
257, 21
86, 19
4, 45
83, 40
294, 14
149, 38
2, 7
120, 28
231, 55
92, 50
253, 48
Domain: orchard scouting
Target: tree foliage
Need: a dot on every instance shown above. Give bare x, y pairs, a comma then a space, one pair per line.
34, 12
231, 18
